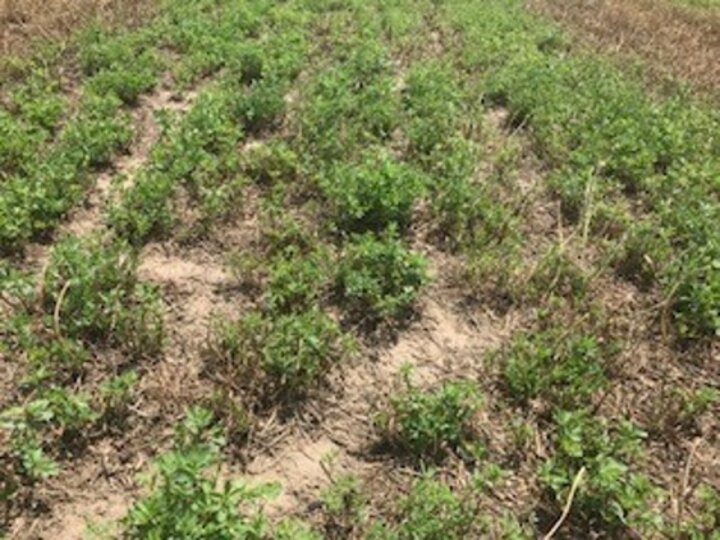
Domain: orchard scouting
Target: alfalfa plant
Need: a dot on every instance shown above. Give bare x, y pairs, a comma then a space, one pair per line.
614, 494
92, 293
379, 279
374, 194
431, 424
278, 356
187, 498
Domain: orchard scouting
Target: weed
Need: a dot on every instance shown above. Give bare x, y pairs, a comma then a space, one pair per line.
494, 271
291, 529
556, 273
297, 283
97, 134
262, 107
39, 102
433, 512
100, 50
351, 108
707, 521
272, 162
126, 84
378, 278
643, 253
117, 394
143, 211
236, 419
197, 153
434, 102
249, 65
33, 203
469, 218
17, 144
683, 409
60, 357
345, 506
199, 429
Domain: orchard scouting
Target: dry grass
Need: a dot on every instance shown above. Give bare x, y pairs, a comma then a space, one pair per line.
25, 22
674, 41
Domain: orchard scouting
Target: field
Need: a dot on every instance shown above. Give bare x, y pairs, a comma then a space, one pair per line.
360, 269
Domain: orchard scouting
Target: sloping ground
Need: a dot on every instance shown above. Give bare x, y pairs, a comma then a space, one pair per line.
422, 265
676, 42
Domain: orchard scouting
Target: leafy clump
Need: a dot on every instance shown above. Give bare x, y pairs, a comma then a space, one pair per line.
280, 356
34, 425
379, 278
695, 282
93, 291
186, 500
378, 193
430, 424
612, 492
431, 511
563, 368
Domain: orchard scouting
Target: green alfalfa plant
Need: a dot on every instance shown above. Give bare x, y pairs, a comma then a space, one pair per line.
93, 294
431, 424
55, 416
378, 278
431, 510
277, 356
374, 194
614, 493
187, 499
